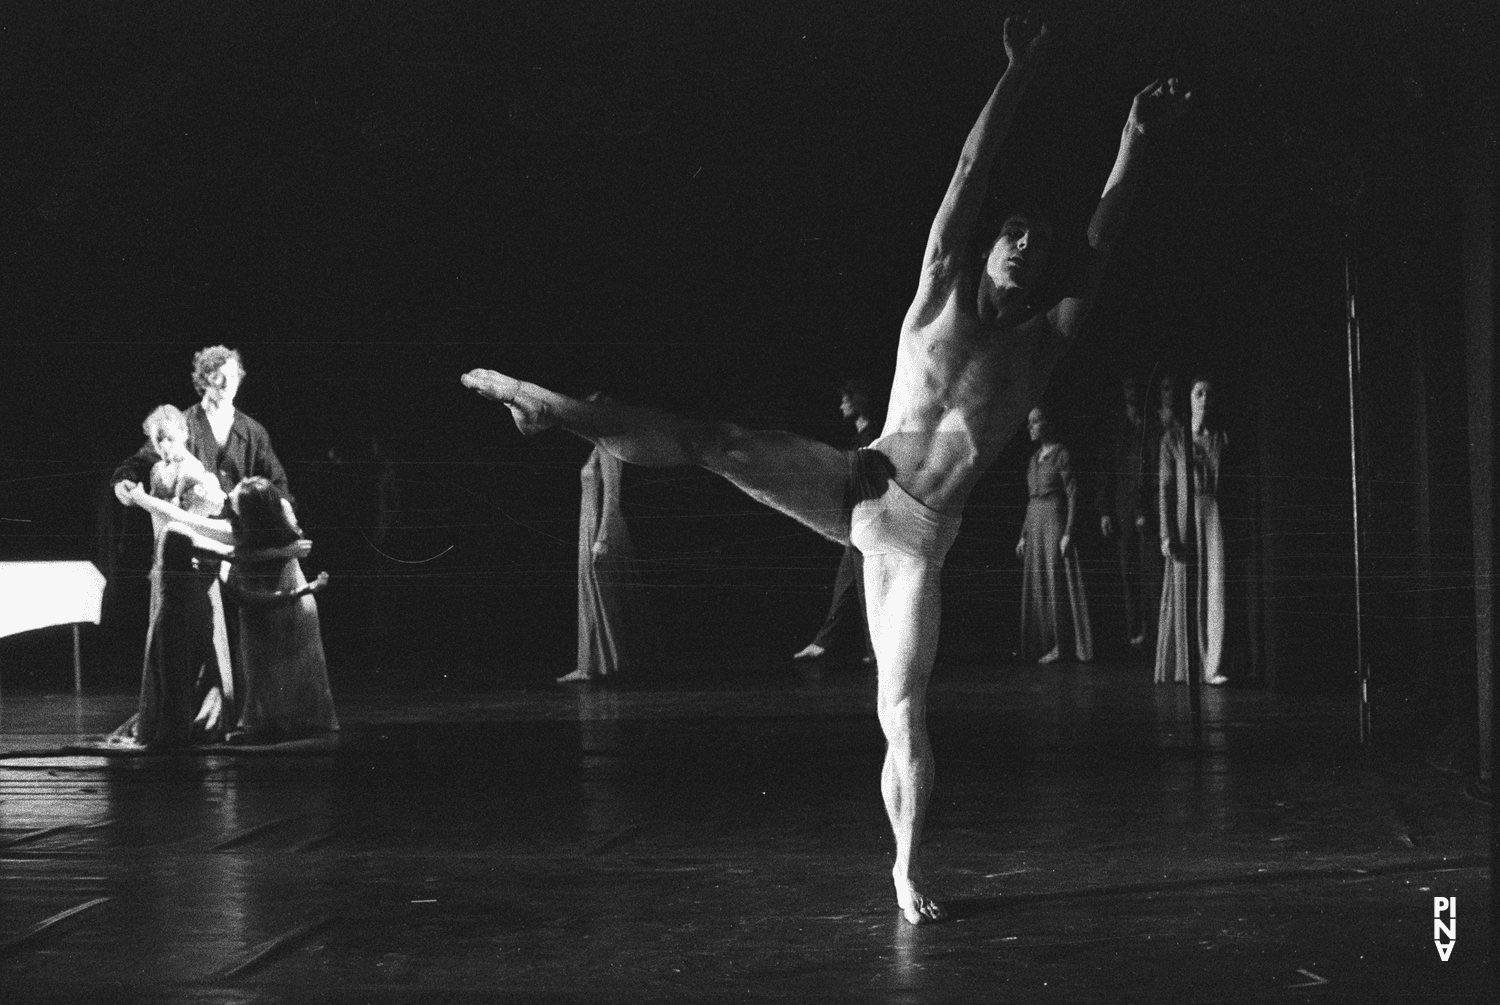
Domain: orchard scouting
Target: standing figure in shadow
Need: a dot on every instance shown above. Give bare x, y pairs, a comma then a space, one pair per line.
1048, 554
609, 620
846, 611
1207, 443
1123, 508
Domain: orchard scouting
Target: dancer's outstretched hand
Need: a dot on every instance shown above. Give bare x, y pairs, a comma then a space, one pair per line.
1158, 105
1025, 39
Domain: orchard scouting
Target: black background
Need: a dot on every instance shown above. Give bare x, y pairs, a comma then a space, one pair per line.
718, 208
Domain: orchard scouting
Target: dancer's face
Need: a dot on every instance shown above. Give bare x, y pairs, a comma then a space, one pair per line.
846, 407
1019, 255
170, 443
1168, 393
1202, 398
224, 383
1036, 424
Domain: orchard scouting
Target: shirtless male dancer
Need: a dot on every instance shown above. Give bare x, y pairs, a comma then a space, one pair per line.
974, 357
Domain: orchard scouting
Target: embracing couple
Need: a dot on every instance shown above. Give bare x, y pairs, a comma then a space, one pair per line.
233, 647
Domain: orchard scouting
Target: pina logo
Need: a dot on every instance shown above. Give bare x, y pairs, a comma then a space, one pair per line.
1444, 930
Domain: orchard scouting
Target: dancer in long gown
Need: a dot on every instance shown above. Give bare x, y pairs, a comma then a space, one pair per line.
976, 350
1049, 557
1208, 445
608, 618
280, 639
186, 686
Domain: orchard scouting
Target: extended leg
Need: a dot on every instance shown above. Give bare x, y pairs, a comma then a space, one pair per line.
798, 476
904, 605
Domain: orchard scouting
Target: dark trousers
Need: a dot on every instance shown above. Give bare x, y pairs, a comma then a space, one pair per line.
847, 608
1140, 581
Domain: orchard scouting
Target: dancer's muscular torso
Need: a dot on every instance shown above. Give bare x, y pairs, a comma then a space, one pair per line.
963, 386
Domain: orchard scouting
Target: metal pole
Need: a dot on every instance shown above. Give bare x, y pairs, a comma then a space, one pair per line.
1351, 337
77, 663
1190, 559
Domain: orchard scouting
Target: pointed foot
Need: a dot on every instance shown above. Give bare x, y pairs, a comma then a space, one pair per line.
531, 415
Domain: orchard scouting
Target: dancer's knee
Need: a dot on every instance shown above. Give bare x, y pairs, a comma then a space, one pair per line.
903, 720
713, 445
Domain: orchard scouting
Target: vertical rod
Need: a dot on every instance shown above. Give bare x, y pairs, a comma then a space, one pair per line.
1190, 546
1351, 338
77, 663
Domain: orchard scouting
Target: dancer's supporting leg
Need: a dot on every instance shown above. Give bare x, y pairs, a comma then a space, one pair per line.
904, 605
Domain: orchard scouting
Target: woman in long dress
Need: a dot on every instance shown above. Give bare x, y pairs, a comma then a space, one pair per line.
1048, 555
280, 640
1208, 445
607, 619
187, 690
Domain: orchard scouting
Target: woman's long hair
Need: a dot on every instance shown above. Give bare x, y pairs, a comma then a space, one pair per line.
259, 515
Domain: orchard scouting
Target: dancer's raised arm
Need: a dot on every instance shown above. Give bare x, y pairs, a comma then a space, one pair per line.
947, 242
1157, 105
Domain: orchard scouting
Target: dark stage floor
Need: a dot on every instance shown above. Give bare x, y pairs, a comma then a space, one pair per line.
726, 841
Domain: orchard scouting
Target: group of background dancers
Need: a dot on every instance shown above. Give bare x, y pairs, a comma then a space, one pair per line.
1144, 472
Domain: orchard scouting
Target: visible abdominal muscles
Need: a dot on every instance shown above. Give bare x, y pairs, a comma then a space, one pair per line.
939, 466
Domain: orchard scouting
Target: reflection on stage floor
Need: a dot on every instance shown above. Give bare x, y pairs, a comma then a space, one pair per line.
718, 834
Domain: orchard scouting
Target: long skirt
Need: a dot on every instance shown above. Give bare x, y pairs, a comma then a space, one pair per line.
185, 679
1046, 576
281, 651
1172, 625
608, 621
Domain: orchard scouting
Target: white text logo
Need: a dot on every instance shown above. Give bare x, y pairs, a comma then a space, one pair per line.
1444, 933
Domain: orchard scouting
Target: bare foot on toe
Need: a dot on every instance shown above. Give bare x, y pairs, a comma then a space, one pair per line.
916, 907
531, 415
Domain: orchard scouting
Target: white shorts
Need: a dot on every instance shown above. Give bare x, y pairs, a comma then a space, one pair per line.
896, 523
